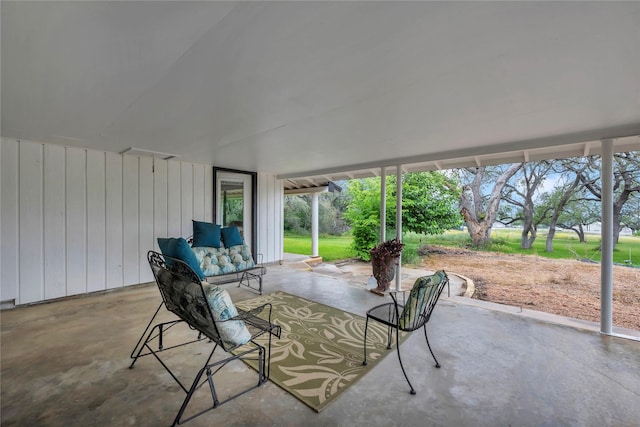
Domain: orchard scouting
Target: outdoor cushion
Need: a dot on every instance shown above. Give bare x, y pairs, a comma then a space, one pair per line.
208, 259
224, 262
240, 256
232, 332
216, 261
418, 297
179, 248
206, 234
231, 236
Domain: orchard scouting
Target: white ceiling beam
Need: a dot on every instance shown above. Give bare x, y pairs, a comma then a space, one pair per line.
309, 190
549, 146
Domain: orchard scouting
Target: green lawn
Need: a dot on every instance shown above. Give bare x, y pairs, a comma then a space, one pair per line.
330, 248
565, 245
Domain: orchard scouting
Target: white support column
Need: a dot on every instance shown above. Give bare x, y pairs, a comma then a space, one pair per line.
606, 236
314, 224
383, 204
399, 223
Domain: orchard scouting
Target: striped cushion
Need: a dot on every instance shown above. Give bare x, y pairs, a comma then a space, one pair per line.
419, 296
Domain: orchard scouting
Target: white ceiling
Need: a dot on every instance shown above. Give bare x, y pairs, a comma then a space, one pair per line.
317, 88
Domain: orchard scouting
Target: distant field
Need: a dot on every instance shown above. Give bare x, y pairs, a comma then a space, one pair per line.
565, 245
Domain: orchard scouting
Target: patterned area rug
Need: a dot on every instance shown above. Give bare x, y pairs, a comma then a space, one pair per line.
320, 352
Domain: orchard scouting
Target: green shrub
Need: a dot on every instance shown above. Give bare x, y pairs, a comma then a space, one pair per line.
365, 237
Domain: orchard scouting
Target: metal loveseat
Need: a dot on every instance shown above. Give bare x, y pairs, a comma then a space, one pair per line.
209, 311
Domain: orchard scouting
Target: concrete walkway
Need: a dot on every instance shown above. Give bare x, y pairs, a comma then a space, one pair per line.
66, 364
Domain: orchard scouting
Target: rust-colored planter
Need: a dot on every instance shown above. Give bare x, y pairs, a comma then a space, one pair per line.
384, 270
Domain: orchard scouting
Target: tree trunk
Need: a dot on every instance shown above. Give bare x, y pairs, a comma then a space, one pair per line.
550, 236
581, 234
528, 229
617, 208
616, 232
529, 235
479, 231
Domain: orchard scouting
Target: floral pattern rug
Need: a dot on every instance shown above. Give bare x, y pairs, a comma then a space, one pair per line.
319, 354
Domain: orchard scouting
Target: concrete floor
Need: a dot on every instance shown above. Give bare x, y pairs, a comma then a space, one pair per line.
66, 364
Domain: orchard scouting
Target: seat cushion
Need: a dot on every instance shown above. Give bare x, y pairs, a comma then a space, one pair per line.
208, 259
180, 249
206, 234
419, 297
232, 332
231, 236
240, 256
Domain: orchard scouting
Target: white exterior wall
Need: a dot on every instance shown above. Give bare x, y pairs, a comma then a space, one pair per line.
270, 218
74, 221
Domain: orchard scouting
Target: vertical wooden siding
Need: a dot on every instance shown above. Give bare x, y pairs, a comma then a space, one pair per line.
270, 217
75, 221
9, 214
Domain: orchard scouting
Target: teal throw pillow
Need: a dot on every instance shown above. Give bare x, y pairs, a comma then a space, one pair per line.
231, 236
179, 248
164, 244
232, 332
206, 234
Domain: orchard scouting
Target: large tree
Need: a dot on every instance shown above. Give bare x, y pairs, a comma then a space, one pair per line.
297, 213
522, 193
578, 213
363, 214
626, 182
566, 192
429, 206
479, 207
630, 214
429, 202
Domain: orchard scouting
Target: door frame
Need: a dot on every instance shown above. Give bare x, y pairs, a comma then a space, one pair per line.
254, 202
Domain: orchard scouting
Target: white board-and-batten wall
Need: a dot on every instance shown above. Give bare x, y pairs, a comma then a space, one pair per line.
75, 221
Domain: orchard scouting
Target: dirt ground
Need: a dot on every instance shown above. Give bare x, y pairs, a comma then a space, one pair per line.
564, 287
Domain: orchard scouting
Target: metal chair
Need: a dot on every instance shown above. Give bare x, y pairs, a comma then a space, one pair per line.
413, 313
183, 295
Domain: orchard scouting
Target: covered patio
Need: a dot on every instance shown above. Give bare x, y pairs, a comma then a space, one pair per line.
121, 122
66, 363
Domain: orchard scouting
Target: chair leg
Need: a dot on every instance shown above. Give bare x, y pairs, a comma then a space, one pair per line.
176, 421
366, 327
137, 350
261, 362
389, 337
401, 365
429, 345
246, 275
267, 360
